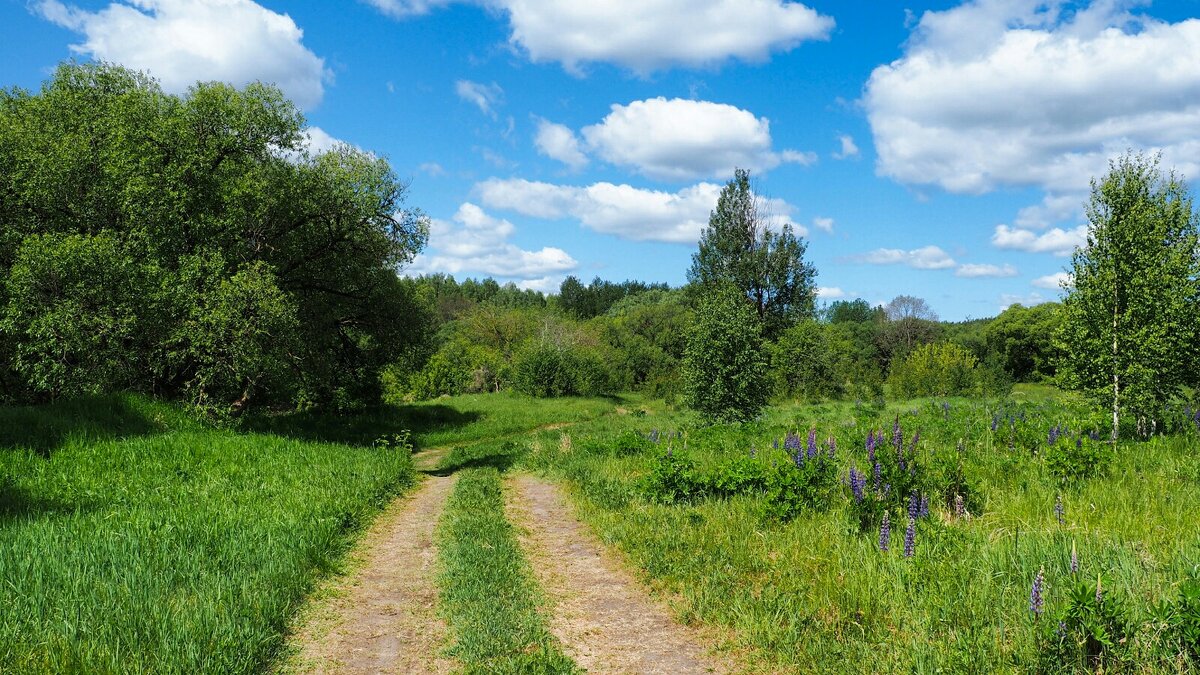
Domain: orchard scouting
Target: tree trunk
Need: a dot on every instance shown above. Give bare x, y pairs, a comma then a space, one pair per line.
1116, 374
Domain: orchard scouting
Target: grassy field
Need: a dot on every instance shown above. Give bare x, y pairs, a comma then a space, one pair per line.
816, 592
134, 539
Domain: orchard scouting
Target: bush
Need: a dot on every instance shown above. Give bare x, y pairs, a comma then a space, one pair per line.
1091, 631
1075, 459
803, 364
944, 369
724, 370
544, 370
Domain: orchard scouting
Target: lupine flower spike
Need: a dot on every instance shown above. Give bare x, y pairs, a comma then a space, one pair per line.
1074, 559
885, 533
1036, 601
1058, 509
910, 538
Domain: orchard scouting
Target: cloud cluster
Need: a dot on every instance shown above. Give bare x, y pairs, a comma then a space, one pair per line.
475, 242
924, 258
624, 211
181, 42
1055, 281
1058, 241
672, 139
977, 271
998, 93
483, 96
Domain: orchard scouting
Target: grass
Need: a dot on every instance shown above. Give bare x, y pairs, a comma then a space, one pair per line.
488, 594
815, 594
135, 539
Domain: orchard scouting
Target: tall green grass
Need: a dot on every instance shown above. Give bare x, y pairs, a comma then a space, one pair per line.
816, 595
488, 594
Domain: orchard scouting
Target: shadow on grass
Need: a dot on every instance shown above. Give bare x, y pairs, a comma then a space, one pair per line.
45, 428
362, 429
17, 504
499, 456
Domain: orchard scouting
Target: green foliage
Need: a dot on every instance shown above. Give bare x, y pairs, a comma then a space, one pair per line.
595, 299
672, 479
1071, 460
1093, 628
792, 489
545, 370
802, 363
768, 267
724, 370
1130, 322
1024, 340
196, 249
944, 369
1182, 620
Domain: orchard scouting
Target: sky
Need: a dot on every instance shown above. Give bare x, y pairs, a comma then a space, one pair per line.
937, 149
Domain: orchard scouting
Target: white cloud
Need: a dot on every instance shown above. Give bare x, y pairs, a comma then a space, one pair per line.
1055, 281
548, 285
682, 139
1009, 299
433, 169
996, 93
405, 8
622, 210
484, 96
181, 42
849, 148
477, 242
830, 293
1058, 241
316, 140
823, 224
559, 142
649, 35
924, 258
976, 271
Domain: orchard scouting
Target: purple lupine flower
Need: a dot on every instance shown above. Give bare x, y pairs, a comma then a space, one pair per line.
871, 446
915, 439
914, 505
1079, 443
897, 435
791, 441
946, 409
812, 443
857, 483
654, 435
775, 443
923, 512
1036, 601
832, 447
995, 422
961, 448
887, 489
1074, 559
910, 538
1058, 509
878, 477
1053, 437
885, 532
1061, 633
960, 509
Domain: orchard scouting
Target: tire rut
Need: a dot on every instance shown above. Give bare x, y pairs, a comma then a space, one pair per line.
602, 615
384, 616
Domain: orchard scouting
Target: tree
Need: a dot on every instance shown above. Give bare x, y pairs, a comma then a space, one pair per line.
846, 311
1131, 319
1024, 341
767, 266
724, 369
803, 363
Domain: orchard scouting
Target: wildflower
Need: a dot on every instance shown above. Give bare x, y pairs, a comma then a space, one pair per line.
946, 409
960, 509
857, 483
914, 505
775, 444
1036, 601
1074, 559
995, 422
812, 443
878, 477
1058, 508
1061, 633
923, 512
654, 435
910, 537
885, 533
897, 435
915, 439
791, 442
871, 446
832, 447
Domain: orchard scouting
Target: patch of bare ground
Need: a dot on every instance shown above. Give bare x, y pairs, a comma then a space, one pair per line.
382, 618
604, 618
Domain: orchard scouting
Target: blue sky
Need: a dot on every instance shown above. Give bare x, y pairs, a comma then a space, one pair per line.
937, 149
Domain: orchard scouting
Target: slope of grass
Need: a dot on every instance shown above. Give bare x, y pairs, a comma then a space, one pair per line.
816, 594
487, 592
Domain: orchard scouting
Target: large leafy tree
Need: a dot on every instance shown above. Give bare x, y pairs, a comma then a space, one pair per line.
724, 366
766, 265
1131, 322
190, 246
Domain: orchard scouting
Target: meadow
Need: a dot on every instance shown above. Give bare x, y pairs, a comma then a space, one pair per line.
135, 539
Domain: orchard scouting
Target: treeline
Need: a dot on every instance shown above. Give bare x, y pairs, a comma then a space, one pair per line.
190, 247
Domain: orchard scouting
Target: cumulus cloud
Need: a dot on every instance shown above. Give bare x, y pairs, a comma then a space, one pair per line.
474, 241
977, 271
924, 258
1009, 299
823, 224
557, 141
849, 148
996, 93
316, 140
1058, 241
482, 96
646, 35
181, 42
675, 139
623, 210
830, 293
1055, 281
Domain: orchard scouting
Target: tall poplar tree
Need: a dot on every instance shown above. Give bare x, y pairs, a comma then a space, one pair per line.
1132, 320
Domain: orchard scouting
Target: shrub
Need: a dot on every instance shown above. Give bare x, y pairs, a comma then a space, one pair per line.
1074, 459
672, 480
802, 363
545, 370
724, 370
944, 369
